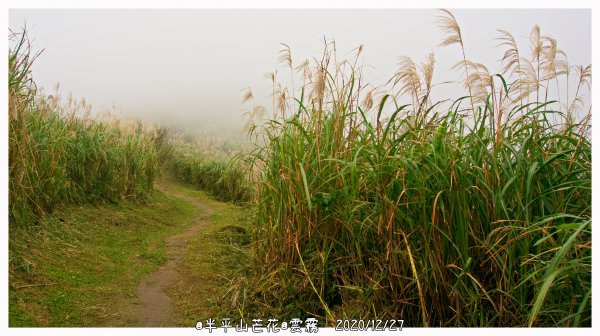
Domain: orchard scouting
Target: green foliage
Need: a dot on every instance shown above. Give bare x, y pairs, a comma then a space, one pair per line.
93, 258
58, 157
226, 181
477, 216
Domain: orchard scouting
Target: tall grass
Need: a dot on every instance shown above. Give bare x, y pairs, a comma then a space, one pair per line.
219, 174
58, 154
471, 213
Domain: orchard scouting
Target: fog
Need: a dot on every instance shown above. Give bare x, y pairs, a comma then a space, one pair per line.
189, 66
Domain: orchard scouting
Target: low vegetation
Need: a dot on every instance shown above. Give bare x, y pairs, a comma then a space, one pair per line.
81, 266
218, 260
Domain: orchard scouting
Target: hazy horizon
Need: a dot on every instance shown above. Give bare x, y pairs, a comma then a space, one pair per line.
191, 65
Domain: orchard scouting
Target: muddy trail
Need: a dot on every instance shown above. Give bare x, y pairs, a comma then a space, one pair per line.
153, 307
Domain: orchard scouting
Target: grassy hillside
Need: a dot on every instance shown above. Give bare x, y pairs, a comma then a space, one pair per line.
81, 265
366, 202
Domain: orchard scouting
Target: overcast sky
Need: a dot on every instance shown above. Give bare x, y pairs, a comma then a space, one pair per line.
192, 63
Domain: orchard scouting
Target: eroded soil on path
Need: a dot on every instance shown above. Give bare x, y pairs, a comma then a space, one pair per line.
154, 308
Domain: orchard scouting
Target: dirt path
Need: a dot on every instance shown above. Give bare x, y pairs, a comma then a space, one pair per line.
154, 307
